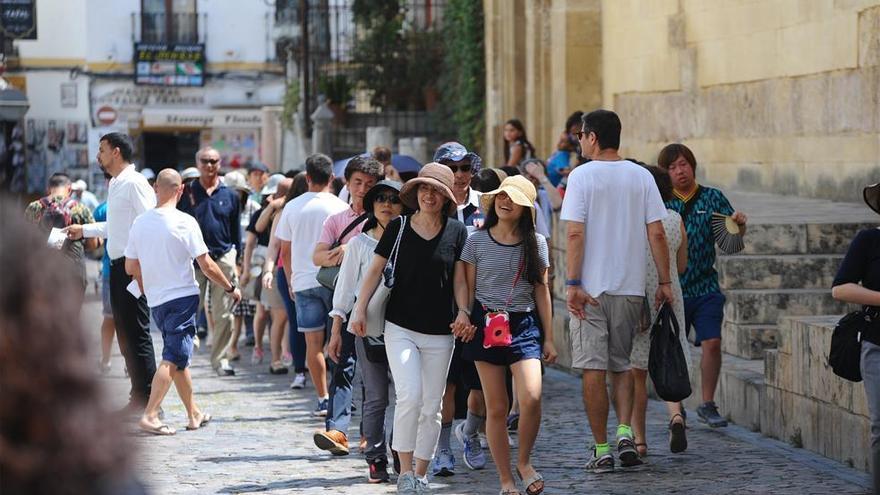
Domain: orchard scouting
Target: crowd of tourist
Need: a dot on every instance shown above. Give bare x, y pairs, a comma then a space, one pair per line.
440, 286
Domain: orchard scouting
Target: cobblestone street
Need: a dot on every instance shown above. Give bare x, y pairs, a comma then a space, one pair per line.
260, 440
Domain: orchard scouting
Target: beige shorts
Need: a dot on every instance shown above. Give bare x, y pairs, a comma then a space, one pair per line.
604, 340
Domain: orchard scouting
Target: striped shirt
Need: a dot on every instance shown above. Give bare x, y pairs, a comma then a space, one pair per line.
497, 265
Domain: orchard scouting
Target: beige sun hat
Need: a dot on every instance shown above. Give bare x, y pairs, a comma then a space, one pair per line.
519, 189
434, 174
236, 180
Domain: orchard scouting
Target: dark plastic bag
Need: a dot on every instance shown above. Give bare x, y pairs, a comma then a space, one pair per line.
666, 362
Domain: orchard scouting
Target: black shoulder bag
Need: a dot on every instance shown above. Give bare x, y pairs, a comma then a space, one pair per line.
845, 356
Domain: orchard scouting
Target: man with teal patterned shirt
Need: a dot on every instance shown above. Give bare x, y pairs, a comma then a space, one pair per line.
703, 300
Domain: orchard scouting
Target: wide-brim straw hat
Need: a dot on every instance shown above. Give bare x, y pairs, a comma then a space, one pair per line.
519, 189
871, 194
434, 174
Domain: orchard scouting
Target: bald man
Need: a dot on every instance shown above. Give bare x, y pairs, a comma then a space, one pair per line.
161, 247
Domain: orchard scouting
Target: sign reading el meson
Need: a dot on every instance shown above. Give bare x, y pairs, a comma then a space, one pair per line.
161, 64
18, 19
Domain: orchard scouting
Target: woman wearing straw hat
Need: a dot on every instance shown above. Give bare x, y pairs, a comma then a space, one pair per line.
858, 282
428, 283
506, 269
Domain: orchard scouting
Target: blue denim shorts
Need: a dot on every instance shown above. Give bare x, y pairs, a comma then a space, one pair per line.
313, 308
176, 320
705, 314
106, 310
526, 344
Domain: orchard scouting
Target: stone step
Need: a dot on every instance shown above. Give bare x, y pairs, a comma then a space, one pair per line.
748, 341
801, 238
740, 389
806, 403
765, 306
791, 271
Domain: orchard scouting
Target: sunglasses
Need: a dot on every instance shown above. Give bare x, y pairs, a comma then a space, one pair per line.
206, 161
466, 167
387, 198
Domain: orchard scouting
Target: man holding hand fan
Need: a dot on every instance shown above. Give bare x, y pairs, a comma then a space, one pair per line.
708, 218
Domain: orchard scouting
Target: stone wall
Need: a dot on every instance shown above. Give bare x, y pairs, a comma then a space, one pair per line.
779, 96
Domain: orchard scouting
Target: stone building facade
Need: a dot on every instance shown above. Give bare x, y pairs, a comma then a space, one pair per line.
779, 96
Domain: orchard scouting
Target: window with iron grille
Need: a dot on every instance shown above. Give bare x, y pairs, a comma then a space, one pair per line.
169, 21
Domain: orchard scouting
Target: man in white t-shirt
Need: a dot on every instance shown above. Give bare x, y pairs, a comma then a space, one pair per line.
613, 210
298, 231
161, 246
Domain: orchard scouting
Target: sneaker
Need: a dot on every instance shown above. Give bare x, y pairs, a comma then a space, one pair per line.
423, 487
484, 442
708, 413
299, 381
334, 441
225, 369
321, 408
407, 484
513, 423
277, 368
600, 464
379, 471
443, 464
627, 453
249, 341
104, 367
287, 359
473, 455
257, 356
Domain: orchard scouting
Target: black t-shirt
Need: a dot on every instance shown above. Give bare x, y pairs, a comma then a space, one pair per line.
862, 261
422, 299
262, 238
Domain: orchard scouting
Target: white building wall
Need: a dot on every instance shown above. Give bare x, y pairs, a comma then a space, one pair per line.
61, 25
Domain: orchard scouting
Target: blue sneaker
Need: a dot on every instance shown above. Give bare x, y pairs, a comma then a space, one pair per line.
321, 409
473, 457
444, 464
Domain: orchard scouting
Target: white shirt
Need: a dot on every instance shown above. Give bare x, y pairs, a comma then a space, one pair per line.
615, 201
301, 223
473, 199
128, 196
359, 254
165, 241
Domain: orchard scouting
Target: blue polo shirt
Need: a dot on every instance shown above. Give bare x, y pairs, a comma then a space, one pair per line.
217, 215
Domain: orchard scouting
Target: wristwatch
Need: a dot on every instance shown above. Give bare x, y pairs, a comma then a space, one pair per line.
231, 289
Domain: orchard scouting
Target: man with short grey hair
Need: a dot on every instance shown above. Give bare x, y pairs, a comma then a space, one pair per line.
217, 210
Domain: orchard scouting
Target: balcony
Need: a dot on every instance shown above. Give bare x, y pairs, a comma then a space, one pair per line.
179, 28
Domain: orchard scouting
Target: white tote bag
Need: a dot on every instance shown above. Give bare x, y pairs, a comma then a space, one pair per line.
379, 302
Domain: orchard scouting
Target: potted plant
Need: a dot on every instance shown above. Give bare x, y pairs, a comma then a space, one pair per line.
338, 91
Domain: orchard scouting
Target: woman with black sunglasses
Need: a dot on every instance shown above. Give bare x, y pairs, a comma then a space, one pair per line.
383, 204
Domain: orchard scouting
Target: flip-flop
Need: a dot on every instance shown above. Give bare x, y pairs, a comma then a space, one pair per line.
206, 418
531, 481
162, 430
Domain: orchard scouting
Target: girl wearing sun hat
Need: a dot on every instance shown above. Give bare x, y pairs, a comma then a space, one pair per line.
506, 265
428, 283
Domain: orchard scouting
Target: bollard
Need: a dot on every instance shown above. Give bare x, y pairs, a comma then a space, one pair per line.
322, 121
420, 150
379, 136
405, 146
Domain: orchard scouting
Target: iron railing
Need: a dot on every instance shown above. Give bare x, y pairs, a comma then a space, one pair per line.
182, 28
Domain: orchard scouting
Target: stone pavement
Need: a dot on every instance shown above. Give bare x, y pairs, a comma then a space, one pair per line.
261, 441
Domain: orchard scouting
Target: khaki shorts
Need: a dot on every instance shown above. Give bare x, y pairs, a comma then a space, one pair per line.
604, 340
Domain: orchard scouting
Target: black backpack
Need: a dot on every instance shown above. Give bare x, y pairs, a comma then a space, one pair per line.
845, 356
666, 362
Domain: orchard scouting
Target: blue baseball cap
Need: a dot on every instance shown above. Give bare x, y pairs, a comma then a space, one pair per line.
456, 152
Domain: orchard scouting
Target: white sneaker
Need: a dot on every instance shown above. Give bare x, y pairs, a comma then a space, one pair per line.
299, 381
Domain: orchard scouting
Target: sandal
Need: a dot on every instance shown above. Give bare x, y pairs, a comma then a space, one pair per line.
537, 478
510, 492
162, 430
206, 418
513, 422
677, 436
642, 449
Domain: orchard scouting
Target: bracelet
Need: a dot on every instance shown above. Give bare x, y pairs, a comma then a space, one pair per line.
230, 290
666, 283
465, 311
573, 282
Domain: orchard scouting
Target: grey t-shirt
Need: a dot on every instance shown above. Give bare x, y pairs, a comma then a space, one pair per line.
497, 265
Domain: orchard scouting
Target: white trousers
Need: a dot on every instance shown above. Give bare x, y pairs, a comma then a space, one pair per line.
419, 364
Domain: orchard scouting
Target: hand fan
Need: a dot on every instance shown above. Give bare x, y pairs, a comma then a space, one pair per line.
728, 235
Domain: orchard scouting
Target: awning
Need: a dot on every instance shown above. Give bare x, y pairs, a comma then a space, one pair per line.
13, 104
